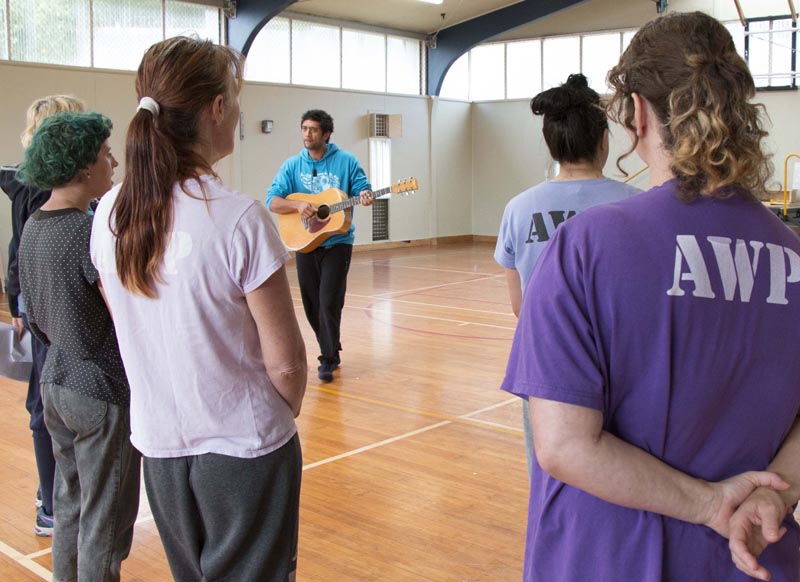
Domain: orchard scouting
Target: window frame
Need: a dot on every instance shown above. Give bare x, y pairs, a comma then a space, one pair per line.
792, 86
90, 46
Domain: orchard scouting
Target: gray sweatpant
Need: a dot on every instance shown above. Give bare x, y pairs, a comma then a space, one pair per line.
96, 495
226, 519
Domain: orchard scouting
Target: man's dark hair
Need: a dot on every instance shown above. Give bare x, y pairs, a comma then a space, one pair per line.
323, 118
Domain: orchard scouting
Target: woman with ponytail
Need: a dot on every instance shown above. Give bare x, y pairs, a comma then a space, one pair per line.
662, 425
194, 276
575, 128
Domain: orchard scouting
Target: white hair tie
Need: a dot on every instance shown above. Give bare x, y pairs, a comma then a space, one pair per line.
150, 105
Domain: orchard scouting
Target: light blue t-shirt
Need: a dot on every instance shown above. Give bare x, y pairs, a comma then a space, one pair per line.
531, 218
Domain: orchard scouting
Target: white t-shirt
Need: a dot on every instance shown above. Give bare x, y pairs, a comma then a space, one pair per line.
192, 355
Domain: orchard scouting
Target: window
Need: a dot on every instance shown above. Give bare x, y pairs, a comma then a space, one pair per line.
3, 31
599, 53
315, 54
523, 69
403, 60
363, 60
456, 82
50, 31
269, 59
181, 18
487, 72
770, 46
561, 58
627, 37
98, 33
290, 50
380, 176
737, 32
138, 23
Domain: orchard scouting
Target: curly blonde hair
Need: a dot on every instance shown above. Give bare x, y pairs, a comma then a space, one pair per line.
687, 67
44, 107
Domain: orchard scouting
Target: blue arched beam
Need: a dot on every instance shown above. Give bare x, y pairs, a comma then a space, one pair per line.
453, 42
251, 16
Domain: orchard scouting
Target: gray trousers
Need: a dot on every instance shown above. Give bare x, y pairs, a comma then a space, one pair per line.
96, 496
526, 425
226, 519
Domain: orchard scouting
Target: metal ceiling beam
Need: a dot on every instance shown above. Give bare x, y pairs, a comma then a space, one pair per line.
251, 16
454, 41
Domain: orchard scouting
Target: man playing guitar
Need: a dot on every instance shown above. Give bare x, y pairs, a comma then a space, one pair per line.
322, 272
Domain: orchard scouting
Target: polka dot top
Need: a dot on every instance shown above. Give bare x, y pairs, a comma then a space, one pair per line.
65, 308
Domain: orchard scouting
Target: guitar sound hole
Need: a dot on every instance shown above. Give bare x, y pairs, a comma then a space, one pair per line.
323, 212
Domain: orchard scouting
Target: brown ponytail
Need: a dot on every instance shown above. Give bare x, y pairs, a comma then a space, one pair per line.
183, 75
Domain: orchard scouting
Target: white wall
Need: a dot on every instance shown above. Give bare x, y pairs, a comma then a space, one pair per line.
510, 155
451, 165
258, 156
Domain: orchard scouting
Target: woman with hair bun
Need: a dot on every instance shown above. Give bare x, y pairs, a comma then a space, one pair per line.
659, 350
575, 128
194, 274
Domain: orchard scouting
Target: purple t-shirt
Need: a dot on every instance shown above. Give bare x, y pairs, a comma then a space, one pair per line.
681, 324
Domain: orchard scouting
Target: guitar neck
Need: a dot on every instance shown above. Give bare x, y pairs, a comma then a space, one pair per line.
350, 202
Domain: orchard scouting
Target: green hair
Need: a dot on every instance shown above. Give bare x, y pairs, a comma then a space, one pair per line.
62, 146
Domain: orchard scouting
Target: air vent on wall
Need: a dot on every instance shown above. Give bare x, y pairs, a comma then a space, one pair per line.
385, 125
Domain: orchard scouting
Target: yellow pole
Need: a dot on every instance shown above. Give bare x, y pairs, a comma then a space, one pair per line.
741, 13
636, 175
786, 182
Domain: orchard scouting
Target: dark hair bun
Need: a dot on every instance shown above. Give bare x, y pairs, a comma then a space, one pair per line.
557, 102
574, 122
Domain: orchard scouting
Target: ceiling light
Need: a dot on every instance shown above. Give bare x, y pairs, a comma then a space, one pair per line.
432, 1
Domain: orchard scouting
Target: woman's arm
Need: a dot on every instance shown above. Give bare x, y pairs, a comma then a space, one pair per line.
514, 289
572, 446
281, 342
758, 521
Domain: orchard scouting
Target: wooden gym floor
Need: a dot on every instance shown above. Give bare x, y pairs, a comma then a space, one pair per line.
414, 462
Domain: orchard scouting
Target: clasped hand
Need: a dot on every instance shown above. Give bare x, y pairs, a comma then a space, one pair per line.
749, 510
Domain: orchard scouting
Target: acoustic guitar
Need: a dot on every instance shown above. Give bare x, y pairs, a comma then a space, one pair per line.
333, 216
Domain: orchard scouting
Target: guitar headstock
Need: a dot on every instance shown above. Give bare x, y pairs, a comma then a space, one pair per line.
405, 187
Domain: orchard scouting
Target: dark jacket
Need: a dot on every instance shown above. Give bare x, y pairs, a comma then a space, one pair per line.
25, 200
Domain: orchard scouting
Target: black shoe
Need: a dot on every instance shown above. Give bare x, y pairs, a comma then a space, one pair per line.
326, 371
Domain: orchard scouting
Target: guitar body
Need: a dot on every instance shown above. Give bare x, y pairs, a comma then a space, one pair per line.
334, 215
304, 238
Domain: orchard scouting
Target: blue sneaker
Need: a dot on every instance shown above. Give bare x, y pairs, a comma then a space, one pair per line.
326, 371
44, 524
38, 502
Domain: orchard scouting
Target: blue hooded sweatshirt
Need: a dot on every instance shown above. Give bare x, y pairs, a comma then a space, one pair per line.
303, 174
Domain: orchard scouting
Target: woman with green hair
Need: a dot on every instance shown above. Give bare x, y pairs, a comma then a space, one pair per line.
84, 386
25, 200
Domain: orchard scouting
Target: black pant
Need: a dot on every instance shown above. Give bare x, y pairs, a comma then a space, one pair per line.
42, 443
322, 274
